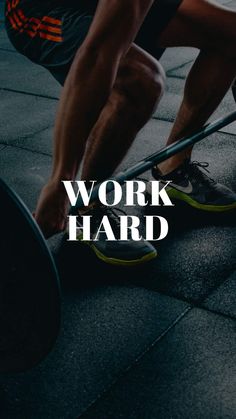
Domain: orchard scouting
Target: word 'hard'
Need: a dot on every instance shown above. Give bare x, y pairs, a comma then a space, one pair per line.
129, 228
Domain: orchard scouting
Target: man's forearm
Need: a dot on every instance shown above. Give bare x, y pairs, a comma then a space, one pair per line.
86, 90
91, 79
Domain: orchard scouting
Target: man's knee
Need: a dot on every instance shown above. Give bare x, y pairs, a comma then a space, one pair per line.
149, 83
141, 86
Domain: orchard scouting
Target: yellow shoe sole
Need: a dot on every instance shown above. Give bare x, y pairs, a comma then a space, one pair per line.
174, 194
118, 262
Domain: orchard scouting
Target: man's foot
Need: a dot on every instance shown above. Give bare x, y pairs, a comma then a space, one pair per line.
123, 253
192, 185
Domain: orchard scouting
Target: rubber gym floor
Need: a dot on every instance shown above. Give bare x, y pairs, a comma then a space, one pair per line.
156, 342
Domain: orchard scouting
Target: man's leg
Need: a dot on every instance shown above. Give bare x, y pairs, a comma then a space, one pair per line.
136, 92
212, 29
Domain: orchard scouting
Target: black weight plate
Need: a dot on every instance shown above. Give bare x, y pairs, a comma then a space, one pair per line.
234, 90
29, 288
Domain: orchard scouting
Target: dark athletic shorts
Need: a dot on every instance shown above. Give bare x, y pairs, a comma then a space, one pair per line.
49, 32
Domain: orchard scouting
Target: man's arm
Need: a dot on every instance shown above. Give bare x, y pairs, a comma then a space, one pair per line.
91, 79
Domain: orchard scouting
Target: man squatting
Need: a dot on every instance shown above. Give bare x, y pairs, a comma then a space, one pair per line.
105, 53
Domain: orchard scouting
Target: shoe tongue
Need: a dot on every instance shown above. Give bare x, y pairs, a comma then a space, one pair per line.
177, 171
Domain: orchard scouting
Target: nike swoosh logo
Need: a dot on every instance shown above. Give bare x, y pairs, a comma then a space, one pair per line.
186, 189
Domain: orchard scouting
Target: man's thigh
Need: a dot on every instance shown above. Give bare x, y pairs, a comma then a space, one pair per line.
49, 36
50, 33
159, 16
200, 24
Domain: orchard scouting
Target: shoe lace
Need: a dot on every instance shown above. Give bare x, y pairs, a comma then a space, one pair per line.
195, 169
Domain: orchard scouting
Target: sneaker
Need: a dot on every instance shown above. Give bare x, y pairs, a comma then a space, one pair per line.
191, 184
123, 253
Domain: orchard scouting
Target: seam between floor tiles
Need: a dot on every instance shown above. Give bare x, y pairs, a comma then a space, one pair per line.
26, 149
163, 119
8, 50
3, 147
172, 76
217, 313
26, 137
196, 304
137, 359
22, 92
216, 286
40, 131
172, 120
178, 67
144, 353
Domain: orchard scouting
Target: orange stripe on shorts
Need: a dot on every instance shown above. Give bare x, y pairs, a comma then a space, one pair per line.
50, 28
52, 20
17, 20
34, 26
50, 37
14, 3
30, 33
13, 24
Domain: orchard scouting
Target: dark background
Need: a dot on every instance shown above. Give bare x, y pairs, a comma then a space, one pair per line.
156, 342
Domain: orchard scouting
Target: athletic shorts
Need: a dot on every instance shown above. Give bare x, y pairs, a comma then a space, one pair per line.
49, 32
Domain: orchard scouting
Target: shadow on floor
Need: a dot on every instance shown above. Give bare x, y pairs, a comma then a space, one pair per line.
183, 218
188, 264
